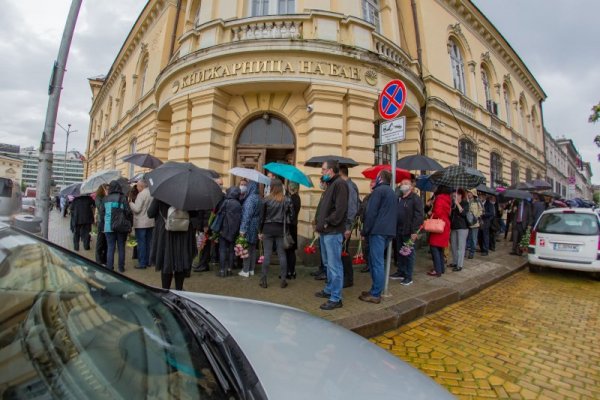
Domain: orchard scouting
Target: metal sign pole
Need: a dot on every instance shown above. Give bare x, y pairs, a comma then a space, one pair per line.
388, 261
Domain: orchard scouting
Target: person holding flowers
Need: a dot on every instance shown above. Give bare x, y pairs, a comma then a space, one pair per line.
409, 219
249, 226
275, 207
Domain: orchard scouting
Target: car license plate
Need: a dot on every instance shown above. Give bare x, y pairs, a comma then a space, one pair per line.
566, 247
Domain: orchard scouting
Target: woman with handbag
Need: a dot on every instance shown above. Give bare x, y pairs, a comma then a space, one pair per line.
276, 208
438, 227
459, 229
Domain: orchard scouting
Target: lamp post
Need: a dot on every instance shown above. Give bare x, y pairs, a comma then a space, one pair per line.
68, 131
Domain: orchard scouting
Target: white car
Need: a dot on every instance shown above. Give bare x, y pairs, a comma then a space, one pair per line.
566, 238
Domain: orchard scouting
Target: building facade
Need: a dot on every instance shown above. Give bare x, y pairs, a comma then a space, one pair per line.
557, 173
579, 173
11, 167
224, 83
64, 172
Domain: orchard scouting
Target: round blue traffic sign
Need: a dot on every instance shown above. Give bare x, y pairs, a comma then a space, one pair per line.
392, 99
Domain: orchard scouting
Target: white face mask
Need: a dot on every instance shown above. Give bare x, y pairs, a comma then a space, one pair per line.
243, 189
405, 188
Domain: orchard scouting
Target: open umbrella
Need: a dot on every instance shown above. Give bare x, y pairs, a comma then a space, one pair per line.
457, 176
71, 190
289, 172
522, 186
184, 186
372, 172
418, 162
551, 194
424, 184
250, 174
319, 160
540, 184
487, 190
99, 178
143, 160
517, 194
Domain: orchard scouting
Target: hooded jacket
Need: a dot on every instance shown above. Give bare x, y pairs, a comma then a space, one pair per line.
251, 213
232, 214
115, 199
380, 218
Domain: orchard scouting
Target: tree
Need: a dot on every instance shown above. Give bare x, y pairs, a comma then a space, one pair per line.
595, 117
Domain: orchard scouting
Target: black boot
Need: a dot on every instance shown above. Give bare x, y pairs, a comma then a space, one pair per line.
263, 282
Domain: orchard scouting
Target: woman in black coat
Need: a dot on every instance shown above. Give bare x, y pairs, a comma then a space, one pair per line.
292, 227
231, 210
172, 252
82, 218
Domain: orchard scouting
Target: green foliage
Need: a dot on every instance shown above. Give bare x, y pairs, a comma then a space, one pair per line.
597, 197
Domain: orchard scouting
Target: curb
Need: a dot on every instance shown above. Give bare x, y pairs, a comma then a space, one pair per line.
375, 323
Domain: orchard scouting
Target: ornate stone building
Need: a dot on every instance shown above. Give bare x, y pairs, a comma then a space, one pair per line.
224, 83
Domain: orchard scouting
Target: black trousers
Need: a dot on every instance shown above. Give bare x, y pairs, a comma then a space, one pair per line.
167, 278
347, 263
517, 234
82, 233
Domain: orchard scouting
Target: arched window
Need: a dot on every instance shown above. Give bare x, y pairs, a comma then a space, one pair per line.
132, 147
370, 10
467, 154
142, 76
507, 103
490, 104
458, 66
528, 175
266, 130
522, 118
514, 173
495, 169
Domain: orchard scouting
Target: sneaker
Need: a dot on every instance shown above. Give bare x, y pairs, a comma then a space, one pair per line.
251, 273
244, 274
322, 294
396, 276
406, 282
370, 299
331, 305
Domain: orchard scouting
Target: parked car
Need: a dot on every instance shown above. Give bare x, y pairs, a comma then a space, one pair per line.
28, 205
71, 329
566, 238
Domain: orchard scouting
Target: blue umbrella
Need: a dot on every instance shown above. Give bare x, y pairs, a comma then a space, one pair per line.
425, 184
289, 172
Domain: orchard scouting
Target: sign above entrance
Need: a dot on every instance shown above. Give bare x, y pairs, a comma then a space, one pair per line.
392, 99
392, 131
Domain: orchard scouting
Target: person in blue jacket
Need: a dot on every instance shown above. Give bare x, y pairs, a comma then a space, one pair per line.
379, 228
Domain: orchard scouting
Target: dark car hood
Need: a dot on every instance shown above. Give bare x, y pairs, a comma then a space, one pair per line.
299, 356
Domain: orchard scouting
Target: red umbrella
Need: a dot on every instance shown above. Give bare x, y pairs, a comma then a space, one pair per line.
372, 172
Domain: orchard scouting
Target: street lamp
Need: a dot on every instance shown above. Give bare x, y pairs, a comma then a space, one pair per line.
68, 131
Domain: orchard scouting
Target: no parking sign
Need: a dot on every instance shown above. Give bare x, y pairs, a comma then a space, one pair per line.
392, 99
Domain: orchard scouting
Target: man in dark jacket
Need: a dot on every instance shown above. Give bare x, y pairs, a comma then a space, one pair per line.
332, 213
522, 219
409, 220
379, 228
487, 217
82, 218
538, 207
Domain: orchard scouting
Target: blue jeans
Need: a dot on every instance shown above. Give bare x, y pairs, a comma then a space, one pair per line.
406, 264
485, 237
118, 239
144, 239
472, 240
377, 246
322, 247
331, 251
437, 254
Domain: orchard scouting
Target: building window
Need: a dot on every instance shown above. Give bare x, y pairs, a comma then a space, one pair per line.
490, 104
381, 152
467, 155
271, 7
506, 94
371, 12
495, 169
121, 100
286, 7
131, 151
458, 66
143, 71
528, 175
514, 173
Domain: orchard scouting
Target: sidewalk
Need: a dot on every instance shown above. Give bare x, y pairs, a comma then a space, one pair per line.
427, 294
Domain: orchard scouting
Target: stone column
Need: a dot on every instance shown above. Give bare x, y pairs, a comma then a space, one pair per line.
180, 130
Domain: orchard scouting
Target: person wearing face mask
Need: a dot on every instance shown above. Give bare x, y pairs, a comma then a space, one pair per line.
243, 189
409, 220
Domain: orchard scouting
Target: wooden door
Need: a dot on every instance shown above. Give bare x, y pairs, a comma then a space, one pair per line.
251, 158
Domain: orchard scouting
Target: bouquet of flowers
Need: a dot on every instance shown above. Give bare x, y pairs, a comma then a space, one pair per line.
131, 242
344, 252
241, 247
312, 247
524, 243
409, 245
359, 258
261, 258
201, 240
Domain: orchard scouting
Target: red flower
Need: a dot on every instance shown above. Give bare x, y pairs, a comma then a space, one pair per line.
344, 253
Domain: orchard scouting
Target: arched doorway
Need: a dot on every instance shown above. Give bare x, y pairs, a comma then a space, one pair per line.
263, 140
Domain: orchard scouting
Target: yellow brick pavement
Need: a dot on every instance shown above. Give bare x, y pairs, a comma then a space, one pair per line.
531, 336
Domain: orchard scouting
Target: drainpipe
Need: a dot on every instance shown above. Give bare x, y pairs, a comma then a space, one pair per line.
173, 36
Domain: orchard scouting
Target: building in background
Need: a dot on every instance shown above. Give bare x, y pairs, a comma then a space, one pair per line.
224, 83
557, 173
63, 174
578, 172
11, 167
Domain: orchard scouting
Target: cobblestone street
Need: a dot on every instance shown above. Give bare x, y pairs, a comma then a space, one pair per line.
531, 336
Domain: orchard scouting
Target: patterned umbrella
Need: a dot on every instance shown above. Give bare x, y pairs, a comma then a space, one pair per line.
457, 176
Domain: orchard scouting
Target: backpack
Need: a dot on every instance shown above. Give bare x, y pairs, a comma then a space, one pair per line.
177, 220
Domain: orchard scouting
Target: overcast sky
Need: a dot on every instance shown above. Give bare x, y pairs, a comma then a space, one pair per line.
556, 39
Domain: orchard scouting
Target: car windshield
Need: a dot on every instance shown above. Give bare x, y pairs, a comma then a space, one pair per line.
568, 224
69, 329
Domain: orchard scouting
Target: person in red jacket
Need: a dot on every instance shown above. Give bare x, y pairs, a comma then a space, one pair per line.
442, 207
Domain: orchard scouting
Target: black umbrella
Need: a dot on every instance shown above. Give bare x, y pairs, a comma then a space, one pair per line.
418, 162
551, 194
540, 184
71, 190
124, 184
487, 190
457, 176
522, 186
184, 186
319, 160
516, 194
143, 160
